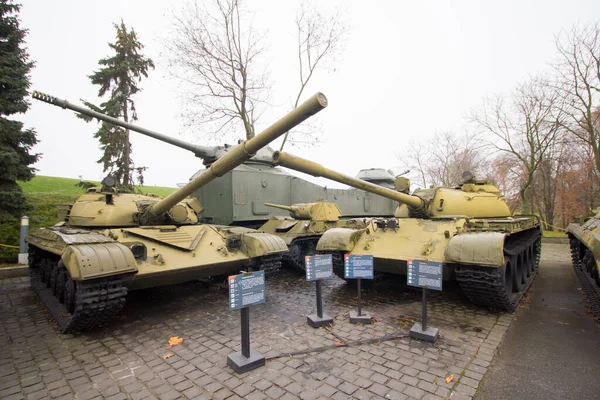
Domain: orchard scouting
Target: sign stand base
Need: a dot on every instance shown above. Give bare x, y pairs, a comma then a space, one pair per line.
429, 334
247, 359
316, 322
240, 363
319, 319
421, 330
364, 318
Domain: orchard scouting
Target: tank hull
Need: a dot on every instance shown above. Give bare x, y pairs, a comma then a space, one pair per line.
480, 254
74, 270
238, 197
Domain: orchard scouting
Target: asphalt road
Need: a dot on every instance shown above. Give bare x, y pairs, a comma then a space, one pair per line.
552, 348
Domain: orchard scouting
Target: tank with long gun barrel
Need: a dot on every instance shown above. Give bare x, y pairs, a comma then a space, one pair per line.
467, 229
110, 242
256, 179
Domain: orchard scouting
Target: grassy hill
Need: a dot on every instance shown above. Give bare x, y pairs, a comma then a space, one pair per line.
43, 193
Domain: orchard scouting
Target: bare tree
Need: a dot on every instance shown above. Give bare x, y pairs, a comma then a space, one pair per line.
525, 127
579, 84
321, 38
442, 161
221, 61
214, 50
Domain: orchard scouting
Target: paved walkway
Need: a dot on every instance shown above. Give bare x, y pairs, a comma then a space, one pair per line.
552, 349
127, 358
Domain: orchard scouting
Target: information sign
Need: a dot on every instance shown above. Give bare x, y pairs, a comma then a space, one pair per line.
319, 266
424, 273
358, 266
246, 289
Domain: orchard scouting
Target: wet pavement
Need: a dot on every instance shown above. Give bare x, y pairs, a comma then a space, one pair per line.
552, 348
128, 358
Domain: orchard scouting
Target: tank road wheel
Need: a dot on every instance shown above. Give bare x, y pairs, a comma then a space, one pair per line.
588, 262
61, 281
522, 267
508, 272
45, 270
528, 261
70, 293
517, 262
53, 278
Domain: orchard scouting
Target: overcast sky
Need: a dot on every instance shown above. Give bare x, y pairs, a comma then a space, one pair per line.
410, 70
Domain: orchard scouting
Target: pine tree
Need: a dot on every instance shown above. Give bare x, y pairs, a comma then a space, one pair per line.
119, 75
15, 142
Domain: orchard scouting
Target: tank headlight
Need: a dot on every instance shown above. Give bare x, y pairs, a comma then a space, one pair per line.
234, 243
139, 251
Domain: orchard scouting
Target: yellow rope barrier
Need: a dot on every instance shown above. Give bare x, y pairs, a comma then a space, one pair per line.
9, 246
556, 227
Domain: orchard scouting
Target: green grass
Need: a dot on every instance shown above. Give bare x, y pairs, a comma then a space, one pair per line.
43, 193
555, 234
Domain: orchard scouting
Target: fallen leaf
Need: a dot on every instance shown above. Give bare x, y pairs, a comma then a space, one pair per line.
338, 343
449, 378
168, 355
174, 341
374, 318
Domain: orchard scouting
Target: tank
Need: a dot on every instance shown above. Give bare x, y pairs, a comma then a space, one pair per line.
492, 254
584, 241
112, 242
305, 225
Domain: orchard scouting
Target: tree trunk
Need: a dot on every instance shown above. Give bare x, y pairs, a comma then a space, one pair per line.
126, 148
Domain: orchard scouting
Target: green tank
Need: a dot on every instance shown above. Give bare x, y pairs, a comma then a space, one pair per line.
492, 254
304, 227
110, 242
584, 241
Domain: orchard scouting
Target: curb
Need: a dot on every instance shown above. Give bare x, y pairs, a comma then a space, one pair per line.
14, 272
555, 240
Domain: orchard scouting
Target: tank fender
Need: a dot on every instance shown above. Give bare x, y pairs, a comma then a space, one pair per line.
88, 261
480, 248
339, 239
257, 244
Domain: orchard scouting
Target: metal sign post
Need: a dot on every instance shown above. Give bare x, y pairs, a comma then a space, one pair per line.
359, 267
319, 267
426, 275
245, 290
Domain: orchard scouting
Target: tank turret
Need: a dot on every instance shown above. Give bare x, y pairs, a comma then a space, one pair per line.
474, 199
318, 211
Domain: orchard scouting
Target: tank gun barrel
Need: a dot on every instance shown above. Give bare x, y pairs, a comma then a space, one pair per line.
280, 206
243, 152
315, 169
199, 151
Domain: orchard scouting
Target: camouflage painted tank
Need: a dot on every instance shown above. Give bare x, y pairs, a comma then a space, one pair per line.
584, 240
303, 228
111, 242
493, 255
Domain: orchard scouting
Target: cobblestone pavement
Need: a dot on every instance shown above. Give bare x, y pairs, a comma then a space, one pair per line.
125, 359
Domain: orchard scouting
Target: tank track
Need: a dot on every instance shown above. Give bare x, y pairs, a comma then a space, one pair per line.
95, 301
484, 285
299, 248
271, 264
588, 285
